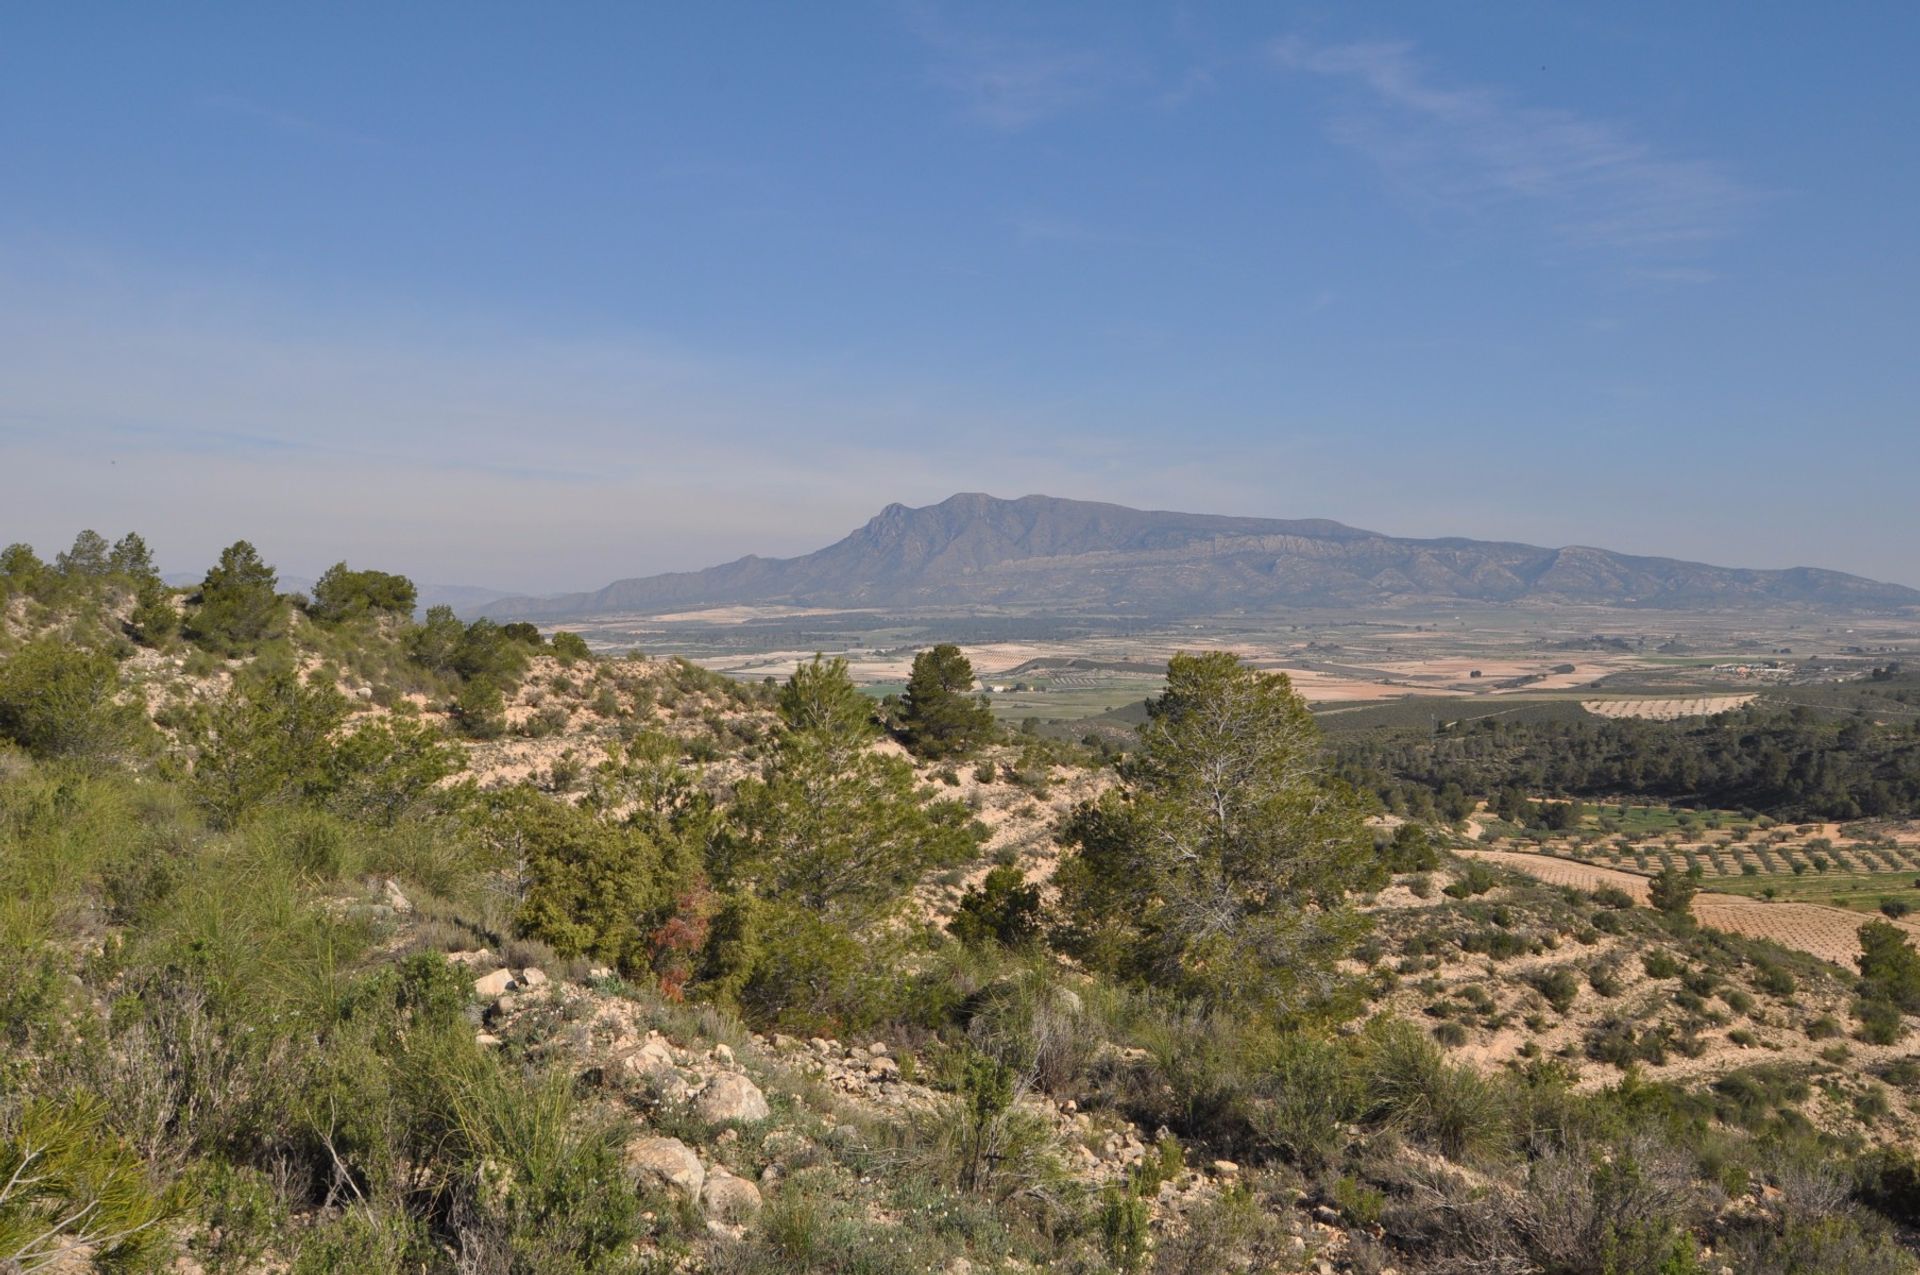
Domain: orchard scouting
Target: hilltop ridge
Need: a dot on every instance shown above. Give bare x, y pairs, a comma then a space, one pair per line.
974, 549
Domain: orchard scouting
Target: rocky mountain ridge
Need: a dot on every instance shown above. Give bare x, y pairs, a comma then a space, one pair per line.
974, 550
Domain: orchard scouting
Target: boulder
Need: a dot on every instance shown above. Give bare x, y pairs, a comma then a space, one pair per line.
533, 978
882, 1067
497, 983
666, 1164
728, 1198
730, 1096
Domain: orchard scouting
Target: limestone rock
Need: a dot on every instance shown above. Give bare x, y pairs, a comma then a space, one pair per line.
728, 1198
666, 1163
730, 1096
495, 984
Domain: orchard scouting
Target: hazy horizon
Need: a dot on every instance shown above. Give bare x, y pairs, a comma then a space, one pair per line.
536, 301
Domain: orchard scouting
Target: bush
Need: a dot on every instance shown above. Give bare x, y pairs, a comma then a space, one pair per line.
570, 648
1560, 986
1476, 880
239, 606
480, 710
1309, 1097
67, 1183
58, 700
1412, 1088
1881, 1022
1002, 909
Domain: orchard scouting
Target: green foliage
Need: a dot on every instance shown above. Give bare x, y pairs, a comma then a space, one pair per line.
342, 593
277, 741
22, 571
479, 651
1411, 849
130, 557
820, 699
1411, 1087
1221, 867
60, 700
1002, 909
88, 558
1788, 761
480, 709
1671, 891
1476, 879
1559, 985
594, 887
68, 1187
827, 843
154, 618
1310, 1096
1889, 966
939, 717
269, 740
239, 605
570, 648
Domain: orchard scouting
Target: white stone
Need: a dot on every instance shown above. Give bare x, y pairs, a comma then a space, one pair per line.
729, 1198
730, 1096
497, 983
666, 1163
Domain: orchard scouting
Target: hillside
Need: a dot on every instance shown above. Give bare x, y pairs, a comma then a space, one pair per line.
340, 941
976, 550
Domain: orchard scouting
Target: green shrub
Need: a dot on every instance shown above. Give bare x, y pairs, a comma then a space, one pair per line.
1412, 1088
59, 700
66, 1182
1002, 909
1478, 879
569, 648
1881, 1022
1560, 986
239, 606
1311, 1094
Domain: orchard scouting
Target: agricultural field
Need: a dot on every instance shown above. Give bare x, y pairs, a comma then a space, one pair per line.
1668, 709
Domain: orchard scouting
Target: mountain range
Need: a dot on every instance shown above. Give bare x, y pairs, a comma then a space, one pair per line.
974, 550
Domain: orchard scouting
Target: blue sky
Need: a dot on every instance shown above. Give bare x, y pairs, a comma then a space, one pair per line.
538, 296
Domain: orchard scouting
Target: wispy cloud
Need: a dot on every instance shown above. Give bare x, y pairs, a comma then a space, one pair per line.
1473, 148
1008, 82
291, 122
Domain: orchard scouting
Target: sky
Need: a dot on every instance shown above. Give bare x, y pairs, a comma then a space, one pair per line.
535, 297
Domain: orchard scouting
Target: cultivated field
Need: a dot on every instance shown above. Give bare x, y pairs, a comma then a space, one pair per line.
1830, 933
1666, 710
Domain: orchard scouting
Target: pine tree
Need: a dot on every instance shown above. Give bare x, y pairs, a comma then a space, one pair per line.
240, 606
939, 717
1221, 867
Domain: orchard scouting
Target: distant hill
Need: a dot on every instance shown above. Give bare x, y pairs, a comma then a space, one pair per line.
977, 550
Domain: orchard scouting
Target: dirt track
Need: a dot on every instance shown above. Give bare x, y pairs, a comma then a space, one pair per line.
1830, 933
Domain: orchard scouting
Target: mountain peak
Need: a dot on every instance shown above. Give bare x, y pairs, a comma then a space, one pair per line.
974, 549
